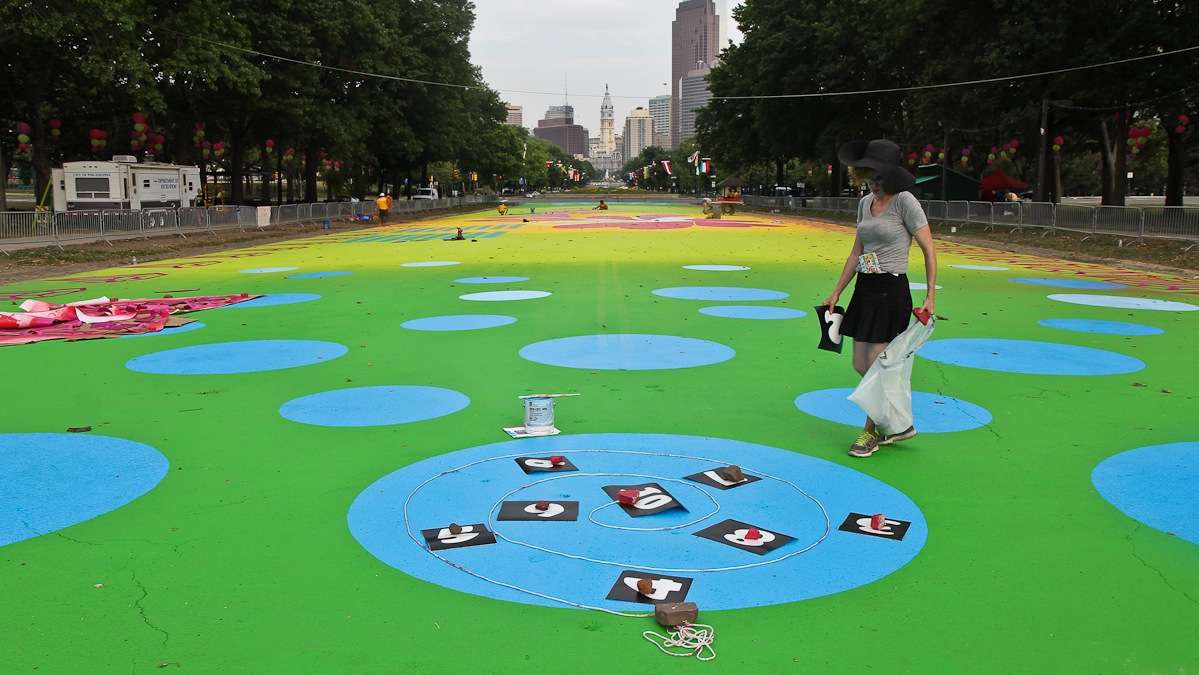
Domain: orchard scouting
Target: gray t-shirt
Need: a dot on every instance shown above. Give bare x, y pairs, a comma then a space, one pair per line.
889, 235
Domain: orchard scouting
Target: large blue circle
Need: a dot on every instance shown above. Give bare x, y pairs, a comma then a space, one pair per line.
224, 358
841, 562
623, 351
501, 296
720, 293
933, 413
1157, 485
274, 299
1103, 327
1124, 302
171, 330
318, 275
1086, 284
1029, 357
52, 481
374, 406
457, 322
490, 280
752, 312
431, 263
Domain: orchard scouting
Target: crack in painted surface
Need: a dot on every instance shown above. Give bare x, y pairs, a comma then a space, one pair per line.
1133, 545
141, 609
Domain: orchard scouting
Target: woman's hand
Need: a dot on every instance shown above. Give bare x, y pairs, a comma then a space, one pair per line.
831, 301
929, 305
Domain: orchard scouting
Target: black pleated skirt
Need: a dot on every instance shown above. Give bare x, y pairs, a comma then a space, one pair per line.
880, 309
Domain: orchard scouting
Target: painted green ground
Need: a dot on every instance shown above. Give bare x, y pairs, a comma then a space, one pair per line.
240, 561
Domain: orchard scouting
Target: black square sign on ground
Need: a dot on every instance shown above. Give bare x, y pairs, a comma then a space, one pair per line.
712, 478
544, 464
734, 533
859, 523
554, 510
441, 538
662, 588
652, 498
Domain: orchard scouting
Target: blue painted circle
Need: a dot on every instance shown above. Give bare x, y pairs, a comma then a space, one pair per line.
720, 293
841, 562
431, 263
1104, 327
274, 299
224, 358
173, 330
716, 268
933, 413
622, 351
1028, 356
500, 296
52, 481
458, 322
1123, 302
1157, 485
268, 270
318, 275
1085, 284
752, 312
980, 268
490, 280
374, 406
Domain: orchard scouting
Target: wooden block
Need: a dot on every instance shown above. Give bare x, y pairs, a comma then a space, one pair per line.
676, 613
627, 497
542, 506
455, 528
645, 587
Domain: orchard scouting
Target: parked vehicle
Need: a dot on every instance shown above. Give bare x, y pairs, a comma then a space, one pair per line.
426, 193
123, 183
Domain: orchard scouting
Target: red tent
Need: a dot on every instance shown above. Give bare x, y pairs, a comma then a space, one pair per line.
999, 182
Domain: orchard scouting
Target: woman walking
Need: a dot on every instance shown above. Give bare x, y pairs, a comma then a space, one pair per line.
889, 218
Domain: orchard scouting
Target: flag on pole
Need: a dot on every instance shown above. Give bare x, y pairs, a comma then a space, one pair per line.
706, 165
666, 167
693, 158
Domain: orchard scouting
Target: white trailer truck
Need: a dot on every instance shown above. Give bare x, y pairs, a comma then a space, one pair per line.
123, 183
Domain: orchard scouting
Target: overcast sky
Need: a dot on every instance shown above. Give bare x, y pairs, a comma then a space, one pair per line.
533, 45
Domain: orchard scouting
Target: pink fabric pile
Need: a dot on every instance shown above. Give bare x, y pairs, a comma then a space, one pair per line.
102, 317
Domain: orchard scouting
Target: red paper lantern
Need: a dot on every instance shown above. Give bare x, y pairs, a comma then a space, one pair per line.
138, 118
270, 143
24, 128
1180, 129
55, 123
1059, 140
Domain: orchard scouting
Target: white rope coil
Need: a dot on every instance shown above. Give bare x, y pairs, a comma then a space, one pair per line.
695, 638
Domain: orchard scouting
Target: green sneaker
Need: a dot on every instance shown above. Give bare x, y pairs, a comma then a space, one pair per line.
866, 444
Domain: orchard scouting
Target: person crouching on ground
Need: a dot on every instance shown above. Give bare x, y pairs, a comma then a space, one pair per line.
889, 218
601, 206
384, 206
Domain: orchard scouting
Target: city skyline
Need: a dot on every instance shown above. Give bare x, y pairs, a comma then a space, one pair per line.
629, 49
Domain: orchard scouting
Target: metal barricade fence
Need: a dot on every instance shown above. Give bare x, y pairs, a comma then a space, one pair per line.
1121, 220
980, 212
1007, 213
29, 226
936, 210
1171, 222
1074, 218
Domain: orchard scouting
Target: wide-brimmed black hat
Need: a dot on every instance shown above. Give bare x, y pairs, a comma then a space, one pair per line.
884, 157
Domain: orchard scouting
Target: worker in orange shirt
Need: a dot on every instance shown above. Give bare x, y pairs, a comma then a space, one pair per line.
384, 204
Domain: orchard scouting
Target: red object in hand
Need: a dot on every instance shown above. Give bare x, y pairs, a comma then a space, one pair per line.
557, 460
753, 533
627, 497
921, 315
878, 521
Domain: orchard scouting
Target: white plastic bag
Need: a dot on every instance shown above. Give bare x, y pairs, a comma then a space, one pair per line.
885, 392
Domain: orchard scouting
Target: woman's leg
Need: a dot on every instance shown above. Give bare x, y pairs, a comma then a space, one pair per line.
864, 356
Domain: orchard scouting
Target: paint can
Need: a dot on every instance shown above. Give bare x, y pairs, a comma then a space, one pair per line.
539, 414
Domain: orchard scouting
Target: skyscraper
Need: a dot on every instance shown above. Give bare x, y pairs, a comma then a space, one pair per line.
559, 128
693, 95
516, 115
695, 39
659, 109
638, 132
